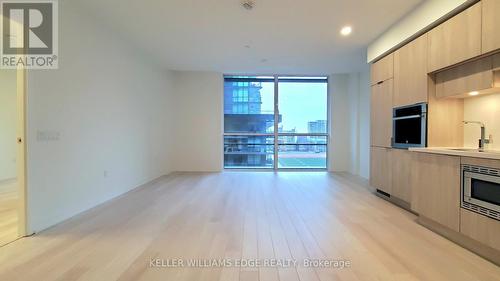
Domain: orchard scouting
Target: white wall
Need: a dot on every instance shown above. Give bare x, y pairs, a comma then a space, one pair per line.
109, 114
350, 123
340, 118
419, 19
487, 110
8, 124
199, 124
364, 109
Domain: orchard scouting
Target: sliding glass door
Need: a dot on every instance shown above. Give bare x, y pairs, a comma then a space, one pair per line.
275, 122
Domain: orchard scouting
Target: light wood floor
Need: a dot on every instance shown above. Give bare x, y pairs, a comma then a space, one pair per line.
8, 211
243, 215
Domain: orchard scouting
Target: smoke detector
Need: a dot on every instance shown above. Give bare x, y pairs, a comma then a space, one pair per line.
248, 4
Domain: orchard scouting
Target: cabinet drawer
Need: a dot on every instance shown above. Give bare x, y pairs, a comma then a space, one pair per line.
480, 228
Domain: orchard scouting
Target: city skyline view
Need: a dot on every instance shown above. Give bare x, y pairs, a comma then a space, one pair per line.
249, 112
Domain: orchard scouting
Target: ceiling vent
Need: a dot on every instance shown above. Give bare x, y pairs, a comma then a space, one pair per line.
248, 4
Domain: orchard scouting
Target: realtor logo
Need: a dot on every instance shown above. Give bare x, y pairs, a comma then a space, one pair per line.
29, 34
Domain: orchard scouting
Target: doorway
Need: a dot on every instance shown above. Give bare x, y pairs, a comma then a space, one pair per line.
276, 122
12, 203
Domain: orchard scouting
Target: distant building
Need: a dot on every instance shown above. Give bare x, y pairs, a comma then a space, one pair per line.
244, 98
243, 114
287, 140
317, 127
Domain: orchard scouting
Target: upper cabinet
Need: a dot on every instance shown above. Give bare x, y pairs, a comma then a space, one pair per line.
496, 70
456, 40
381, 114
496, 62
472, 76
491, 25
383, 69
410, 73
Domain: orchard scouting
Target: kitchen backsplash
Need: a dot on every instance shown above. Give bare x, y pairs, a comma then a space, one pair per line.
487, 110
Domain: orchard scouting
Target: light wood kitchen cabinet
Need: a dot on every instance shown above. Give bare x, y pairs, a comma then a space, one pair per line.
472, 76
480, 228
435, 187
490, 163
445, 127
496, 70
456, 40
496, 62
381, 114
410, 73
381, 169
401, 171
490, 25
382, 69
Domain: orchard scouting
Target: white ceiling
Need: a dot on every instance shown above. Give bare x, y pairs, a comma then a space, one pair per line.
277, 36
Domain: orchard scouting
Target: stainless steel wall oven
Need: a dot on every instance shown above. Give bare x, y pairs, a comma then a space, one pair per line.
409, 126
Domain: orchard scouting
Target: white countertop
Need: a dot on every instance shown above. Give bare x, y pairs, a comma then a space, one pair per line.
488, 154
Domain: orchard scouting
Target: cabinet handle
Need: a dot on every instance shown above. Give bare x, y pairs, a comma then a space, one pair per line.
408, 117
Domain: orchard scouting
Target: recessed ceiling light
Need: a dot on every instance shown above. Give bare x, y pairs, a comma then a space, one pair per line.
474, 93
346, 30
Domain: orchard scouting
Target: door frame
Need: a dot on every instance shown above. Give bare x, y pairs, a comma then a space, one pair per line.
21, 74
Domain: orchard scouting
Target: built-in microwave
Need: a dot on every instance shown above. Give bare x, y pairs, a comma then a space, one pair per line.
409, 126
481, 190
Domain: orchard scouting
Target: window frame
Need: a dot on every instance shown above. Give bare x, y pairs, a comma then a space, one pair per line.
275, 78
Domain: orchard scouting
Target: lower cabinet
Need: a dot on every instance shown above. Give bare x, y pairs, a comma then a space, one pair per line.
401, 170
381, 169
480, 228
435, 188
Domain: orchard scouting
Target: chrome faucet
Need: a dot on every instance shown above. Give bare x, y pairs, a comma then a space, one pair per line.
483, 140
